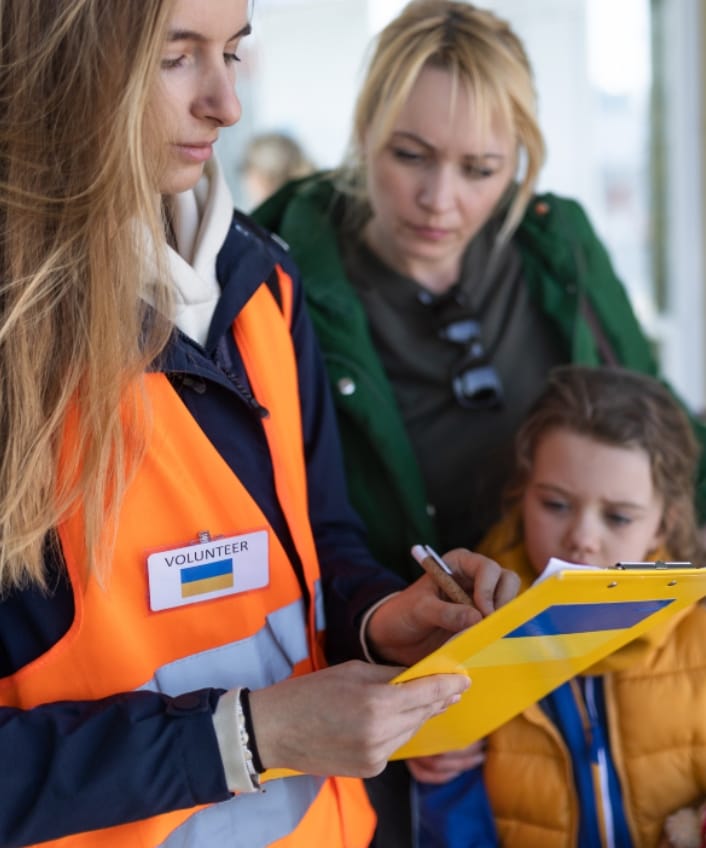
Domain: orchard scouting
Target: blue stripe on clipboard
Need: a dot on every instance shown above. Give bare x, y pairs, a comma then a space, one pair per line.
588, 618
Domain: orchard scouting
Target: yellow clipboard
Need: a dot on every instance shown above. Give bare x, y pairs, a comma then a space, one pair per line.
545, 636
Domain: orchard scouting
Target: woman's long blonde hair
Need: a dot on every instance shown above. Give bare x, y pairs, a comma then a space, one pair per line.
75, 86
488, 63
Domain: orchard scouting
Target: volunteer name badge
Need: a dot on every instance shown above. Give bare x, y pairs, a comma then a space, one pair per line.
208, 569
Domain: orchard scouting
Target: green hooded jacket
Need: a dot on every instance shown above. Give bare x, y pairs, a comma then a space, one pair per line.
570, 276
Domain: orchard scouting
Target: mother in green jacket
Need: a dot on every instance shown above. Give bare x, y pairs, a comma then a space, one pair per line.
442, 288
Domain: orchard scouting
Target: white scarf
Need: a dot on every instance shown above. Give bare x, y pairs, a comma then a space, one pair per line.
201, 219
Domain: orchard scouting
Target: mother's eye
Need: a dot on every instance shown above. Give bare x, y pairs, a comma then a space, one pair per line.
477, 172
405, 155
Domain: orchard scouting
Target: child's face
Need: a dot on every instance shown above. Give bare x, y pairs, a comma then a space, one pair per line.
588, 502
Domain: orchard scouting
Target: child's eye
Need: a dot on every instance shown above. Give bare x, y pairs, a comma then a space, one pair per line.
231, 58
617, 519
553, 505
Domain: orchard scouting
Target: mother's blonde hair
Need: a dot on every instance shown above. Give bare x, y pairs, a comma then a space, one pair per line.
75, 177
488, 64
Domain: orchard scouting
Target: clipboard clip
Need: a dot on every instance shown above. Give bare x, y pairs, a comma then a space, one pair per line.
659, 564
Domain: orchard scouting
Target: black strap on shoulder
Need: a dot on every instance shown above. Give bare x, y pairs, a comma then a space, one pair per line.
606, 349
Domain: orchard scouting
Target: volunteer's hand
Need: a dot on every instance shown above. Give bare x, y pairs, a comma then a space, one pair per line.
347, 719
420, 619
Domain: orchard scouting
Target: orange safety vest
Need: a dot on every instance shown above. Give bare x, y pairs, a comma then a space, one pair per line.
117, 643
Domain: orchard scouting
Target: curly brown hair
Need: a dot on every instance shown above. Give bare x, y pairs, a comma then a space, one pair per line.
624, 409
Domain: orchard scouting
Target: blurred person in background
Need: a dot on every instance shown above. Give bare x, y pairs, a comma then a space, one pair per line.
269, 161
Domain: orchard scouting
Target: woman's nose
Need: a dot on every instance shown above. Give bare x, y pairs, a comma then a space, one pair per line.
436, 192
218, 100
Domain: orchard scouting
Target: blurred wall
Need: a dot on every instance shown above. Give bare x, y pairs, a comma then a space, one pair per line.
300, 74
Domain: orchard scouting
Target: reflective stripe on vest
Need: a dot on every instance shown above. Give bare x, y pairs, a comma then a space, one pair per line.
116, 643
269, 655
250, 821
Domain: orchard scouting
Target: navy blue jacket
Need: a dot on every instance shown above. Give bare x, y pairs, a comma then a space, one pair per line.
137, 754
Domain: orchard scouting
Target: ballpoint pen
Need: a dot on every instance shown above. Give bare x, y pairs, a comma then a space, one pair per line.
440, 573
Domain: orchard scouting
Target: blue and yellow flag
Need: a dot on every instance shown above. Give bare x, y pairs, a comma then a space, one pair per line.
201, 579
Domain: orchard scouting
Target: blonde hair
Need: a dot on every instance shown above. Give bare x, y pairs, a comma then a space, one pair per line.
487, 62
623, 409
75, 82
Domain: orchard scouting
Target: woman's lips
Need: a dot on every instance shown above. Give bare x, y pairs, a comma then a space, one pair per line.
430, 233
196, 152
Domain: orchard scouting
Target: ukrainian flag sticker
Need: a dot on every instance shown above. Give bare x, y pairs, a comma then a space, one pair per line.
204, 579
207, 570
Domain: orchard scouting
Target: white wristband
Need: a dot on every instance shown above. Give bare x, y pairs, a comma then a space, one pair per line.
245, 742
229, 724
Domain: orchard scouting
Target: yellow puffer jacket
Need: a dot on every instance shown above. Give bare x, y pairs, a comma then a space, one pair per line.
655, 691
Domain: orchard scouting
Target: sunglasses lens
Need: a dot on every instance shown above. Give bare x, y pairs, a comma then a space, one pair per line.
477, 387
462, 331
474, 381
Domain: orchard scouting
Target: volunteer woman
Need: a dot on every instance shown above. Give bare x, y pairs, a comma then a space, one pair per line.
173, 524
